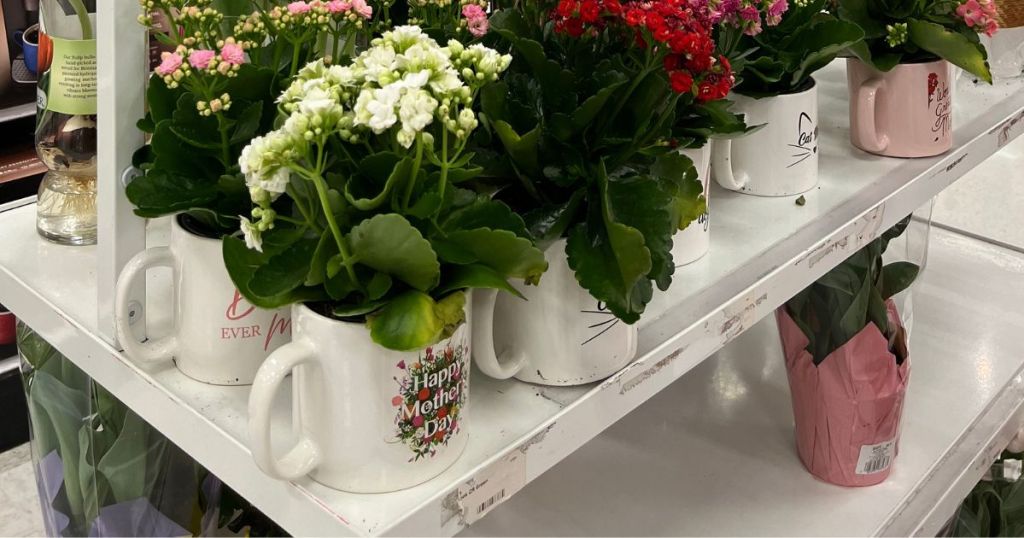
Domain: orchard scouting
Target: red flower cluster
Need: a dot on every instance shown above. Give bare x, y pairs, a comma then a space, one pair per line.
682, 39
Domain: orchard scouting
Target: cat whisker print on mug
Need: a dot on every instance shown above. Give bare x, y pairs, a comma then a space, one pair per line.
603, 326
807, 136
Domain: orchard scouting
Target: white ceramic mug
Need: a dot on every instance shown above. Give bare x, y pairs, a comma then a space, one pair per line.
369, 420
693, 242
218, 337
779, 159
559, 335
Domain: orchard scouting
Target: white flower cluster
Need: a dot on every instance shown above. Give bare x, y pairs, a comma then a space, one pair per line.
396, 88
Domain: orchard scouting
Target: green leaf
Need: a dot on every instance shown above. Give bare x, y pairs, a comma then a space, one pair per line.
461, 277
160, 192
161, 100
339, 284
407, 323
251, 83
192, 128
858, 12
379, 286
248, 124
172, 155
549, 223
501, 250
641, 204
242, 265
325, 250
821, 43
485, 213
451, 311
950, 46
522, 149
286, 271
882, 61
380, 170
598, 264
460, 175
897, 277
610, 258
390, 244
357, 310
843, 279
854, 319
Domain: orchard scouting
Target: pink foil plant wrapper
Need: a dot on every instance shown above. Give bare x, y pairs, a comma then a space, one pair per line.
853, 399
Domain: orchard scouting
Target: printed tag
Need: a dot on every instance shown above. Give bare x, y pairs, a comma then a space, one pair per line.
72, 77
876, 458
479, 496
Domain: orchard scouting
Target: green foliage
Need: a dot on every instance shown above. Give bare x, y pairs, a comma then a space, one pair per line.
995, 507
782, 58
840, 304
192, 162
934, 30
573, 136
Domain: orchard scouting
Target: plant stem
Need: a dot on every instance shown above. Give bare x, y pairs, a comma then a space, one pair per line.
625, 98
83, 18
332, 223
225, 144
444, 162
296, 49
278, 50
411, 185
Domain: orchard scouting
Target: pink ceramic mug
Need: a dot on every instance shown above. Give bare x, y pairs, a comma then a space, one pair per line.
906, 112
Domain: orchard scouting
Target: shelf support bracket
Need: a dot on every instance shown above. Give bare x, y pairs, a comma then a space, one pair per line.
122, 65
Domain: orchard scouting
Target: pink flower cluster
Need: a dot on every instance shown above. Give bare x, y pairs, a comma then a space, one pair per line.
334, 7
231, 55
980, 15
748, 15
476, 19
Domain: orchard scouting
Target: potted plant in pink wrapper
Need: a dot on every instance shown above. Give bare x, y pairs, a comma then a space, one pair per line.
848, 366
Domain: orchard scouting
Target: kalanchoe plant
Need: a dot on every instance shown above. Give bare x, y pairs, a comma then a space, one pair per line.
215, 92
361, 210
904, 31
842, 303
581, 125
781, 58
464, 19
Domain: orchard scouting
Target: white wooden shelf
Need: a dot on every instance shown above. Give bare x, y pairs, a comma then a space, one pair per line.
714, 454
763, 251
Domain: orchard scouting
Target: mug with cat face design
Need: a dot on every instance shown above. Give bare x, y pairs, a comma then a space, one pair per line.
559, 335
781, 158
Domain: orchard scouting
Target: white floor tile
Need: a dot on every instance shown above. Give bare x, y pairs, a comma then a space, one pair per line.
988, 202
19, 503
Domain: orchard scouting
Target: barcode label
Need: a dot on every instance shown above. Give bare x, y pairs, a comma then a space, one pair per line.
876, 458
484, 493
486, 505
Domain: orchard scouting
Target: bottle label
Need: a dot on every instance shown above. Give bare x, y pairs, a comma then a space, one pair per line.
72, 88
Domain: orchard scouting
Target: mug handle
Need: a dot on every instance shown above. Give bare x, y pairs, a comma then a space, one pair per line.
484, 356
867, 99
17, 38
305, 455
721, 164
151, 350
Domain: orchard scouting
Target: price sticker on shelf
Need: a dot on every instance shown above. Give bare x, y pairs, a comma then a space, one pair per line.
876, 458
480, 495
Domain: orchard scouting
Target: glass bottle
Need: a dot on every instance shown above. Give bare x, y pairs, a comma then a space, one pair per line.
66, 121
